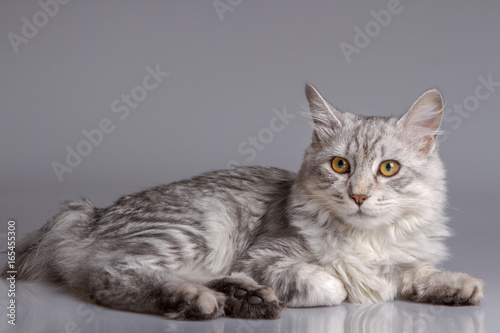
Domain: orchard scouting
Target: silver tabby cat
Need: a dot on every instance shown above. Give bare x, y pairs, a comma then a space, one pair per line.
362, 221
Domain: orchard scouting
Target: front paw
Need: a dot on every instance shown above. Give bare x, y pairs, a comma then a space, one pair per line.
450, 288
247, 299
314, 288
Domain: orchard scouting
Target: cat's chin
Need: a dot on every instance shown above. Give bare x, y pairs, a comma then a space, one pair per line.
361, 214
363, 220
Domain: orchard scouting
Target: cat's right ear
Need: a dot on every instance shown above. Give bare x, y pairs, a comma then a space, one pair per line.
324, 115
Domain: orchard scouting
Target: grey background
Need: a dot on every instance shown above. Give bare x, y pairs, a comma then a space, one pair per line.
227, 73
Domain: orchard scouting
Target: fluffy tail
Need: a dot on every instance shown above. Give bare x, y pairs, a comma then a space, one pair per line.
43, 254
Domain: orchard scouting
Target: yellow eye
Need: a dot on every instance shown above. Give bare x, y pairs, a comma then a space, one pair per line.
340, 165
389, 168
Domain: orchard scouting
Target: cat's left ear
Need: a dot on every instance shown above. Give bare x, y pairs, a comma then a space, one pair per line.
421, 123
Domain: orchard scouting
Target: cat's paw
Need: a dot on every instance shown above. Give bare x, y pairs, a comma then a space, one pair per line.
247, 299
197, 302
317, 288
450, 288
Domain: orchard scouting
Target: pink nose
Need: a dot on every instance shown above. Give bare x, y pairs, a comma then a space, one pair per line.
359, 198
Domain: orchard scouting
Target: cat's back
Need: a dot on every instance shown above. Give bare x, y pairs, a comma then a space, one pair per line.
262, 179
238, 196
251, 182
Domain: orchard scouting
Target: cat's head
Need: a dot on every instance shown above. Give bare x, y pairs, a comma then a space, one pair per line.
372, 171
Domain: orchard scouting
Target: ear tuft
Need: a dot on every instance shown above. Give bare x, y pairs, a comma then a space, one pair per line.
421, 123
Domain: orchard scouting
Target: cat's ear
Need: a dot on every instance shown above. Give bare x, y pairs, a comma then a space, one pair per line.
325, 117
421, 123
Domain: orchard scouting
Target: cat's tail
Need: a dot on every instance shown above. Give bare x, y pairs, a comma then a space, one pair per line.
43, 253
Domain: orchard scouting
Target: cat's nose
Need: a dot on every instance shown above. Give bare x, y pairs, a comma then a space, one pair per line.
359, 198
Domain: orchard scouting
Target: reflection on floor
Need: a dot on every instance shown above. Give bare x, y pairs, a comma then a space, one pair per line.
45, 308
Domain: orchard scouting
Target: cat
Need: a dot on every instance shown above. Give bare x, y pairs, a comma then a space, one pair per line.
362, 221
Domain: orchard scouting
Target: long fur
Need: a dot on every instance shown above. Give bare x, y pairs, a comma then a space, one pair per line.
248, 241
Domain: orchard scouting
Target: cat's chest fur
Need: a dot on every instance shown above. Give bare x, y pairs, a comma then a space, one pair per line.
368, 263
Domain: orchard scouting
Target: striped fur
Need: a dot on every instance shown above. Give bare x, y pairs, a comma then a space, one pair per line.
247, 241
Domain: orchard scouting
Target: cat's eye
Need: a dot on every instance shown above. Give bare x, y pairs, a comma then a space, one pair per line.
389, 168
340, 165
